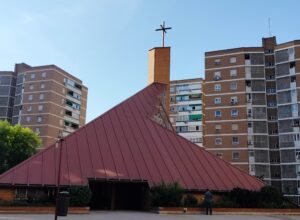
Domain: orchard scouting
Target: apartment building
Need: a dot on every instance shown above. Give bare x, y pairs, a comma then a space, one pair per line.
251, 111
46, 99
186, 108
7, 91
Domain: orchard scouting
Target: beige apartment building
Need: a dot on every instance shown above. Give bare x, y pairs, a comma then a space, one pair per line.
48, 100
251, 111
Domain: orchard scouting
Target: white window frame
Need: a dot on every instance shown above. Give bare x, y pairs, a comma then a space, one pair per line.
40, 108
236, 155
233, 86
42, 96
235, 142
233, 99
235, 127
218, 115
39, 119
44, 74
232, 59
30, 97
218, 100
217, 87
233, 72
234, 114
218, 141
217, 61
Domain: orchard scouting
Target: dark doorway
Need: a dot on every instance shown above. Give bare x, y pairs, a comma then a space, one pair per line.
113, 195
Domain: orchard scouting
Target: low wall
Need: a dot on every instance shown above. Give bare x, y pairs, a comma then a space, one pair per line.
224, 211
40, 210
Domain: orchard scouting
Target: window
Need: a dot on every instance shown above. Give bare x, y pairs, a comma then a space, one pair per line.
233, 100
234, 127
235, 155
29, 108
233, 86
217, 75
31, 87
233, 73
218, 100
37, 131
218, 141
235, 140
218, 127
42, 85
218, 87
39, 119
217, 61
28, 118
234, 112
44, 74
32, 76
40, 107
218, 113
30, 97
232, 59
42, 96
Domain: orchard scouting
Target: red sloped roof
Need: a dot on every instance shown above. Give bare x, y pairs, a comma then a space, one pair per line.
125, 143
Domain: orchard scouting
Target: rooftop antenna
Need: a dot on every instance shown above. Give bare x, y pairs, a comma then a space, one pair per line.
163, 29
269, 21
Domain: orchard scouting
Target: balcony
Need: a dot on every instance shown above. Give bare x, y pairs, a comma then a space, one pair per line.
248, 89
73, 88
69, 129
71, 119
292, 71
293, 85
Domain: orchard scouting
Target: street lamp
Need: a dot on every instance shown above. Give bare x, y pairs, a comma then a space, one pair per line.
58, 144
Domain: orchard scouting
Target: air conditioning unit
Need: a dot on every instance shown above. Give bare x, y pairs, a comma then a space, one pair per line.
249, 115
298, 157
249, 142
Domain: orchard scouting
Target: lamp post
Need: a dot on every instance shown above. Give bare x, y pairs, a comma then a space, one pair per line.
58, 144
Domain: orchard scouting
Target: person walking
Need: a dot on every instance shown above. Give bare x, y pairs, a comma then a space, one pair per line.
208, 201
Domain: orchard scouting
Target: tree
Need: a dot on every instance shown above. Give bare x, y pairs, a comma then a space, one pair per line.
16, 144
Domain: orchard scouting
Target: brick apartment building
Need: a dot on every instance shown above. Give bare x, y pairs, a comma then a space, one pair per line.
251, 113
46, 99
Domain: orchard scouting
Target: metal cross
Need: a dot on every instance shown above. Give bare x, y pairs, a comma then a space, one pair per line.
164, 30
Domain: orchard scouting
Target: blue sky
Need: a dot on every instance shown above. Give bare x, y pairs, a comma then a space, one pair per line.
105, 42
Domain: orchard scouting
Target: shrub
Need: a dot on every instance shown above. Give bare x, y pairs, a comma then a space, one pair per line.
270, 195
168, 195
190, 201
80, 196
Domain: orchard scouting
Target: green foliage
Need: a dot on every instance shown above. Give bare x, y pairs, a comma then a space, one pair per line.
168, 195
267, 197
190, 201
16, 144
80, 196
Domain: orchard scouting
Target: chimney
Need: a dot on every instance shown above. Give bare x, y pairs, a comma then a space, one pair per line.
159, 70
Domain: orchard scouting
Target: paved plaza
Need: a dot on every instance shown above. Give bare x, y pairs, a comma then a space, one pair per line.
117, 215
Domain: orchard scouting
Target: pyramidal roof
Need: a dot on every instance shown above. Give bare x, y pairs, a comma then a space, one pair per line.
127, 143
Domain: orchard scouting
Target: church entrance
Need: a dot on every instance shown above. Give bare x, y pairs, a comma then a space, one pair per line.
119, 195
